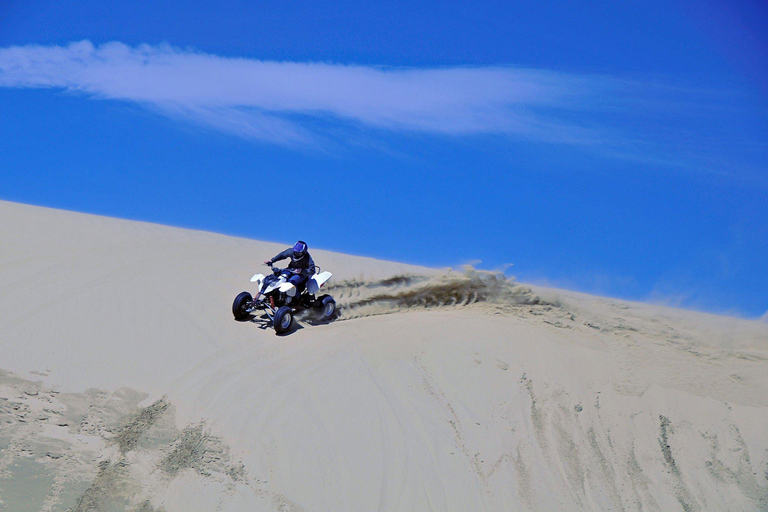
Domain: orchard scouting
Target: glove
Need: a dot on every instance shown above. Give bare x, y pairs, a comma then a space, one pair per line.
268, 263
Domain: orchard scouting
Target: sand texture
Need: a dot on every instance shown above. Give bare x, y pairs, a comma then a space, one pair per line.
125, 384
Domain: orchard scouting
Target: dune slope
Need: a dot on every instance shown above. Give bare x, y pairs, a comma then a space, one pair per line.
127, 385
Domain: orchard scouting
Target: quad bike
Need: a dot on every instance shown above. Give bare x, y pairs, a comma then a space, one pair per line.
280, 299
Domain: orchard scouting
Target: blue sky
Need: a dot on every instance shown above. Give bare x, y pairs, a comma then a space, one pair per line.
613, 149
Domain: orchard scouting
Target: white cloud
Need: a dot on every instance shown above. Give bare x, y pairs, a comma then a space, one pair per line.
294, 103
261, 100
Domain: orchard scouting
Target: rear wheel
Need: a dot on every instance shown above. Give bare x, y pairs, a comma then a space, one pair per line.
327, 307
240, 305
283, 319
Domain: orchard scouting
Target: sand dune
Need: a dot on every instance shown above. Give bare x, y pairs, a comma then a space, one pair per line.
127, 385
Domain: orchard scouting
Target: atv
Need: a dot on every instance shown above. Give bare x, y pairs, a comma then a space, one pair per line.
280, 299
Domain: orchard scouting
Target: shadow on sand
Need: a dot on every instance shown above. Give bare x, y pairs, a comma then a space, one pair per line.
263, 322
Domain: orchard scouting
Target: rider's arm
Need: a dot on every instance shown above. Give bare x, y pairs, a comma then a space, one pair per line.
310, 268
283, 255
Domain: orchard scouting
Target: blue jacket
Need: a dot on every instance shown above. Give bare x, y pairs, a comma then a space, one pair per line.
305, 263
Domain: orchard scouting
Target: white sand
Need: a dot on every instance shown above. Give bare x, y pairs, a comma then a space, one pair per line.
127, 385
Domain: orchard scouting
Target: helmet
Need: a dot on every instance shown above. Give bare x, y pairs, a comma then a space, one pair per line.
299, 250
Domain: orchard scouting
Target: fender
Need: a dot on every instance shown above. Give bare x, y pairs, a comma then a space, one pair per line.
258, 279
317, 281
288, 288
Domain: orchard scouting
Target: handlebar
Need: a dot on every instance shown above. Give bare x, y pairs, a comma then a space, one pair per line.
277, 270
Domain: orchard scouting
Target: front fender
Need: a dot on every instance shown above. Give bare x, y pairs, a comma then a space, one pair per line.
288, 288
258, 279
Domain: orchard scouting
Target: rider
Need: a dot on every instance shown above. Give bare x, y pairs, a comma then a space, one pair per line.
301, 266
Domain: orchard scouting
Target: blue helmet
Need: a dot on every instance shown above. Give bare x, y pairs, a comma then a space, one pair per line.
299, 250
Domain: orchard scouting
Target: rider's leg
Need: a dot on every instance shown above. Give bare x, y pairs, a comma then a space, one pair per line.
298, 281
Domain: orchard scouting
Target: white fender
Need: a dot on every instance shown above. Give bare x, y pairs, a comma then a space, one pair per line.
317, 281
258, 278
288, 288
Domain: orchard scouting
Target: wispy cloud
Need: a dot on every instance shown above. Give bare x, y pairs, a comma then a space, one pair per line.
259, 99
288, 103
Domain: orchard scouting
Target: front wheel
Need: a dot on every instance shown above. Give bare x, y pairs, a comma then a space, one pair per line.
327, 307
240, 305
283, 319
